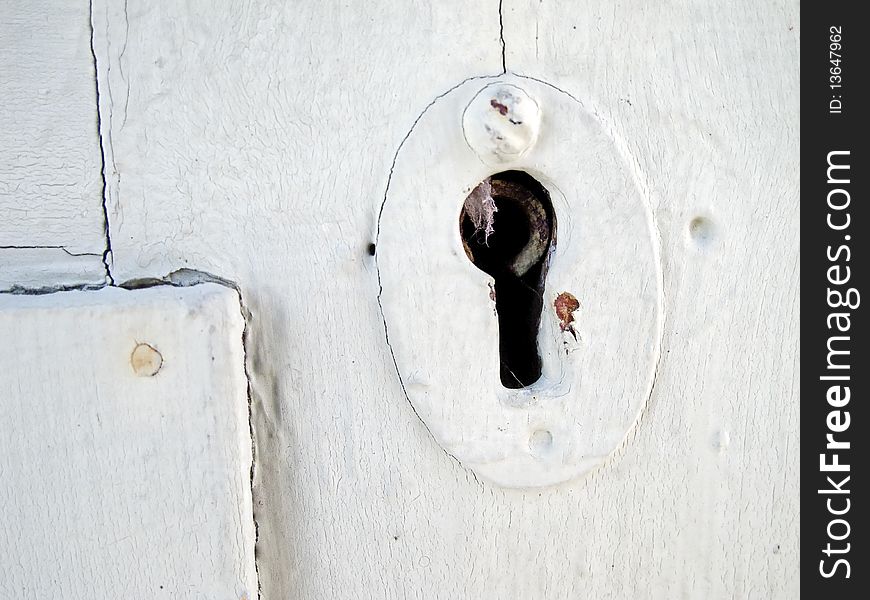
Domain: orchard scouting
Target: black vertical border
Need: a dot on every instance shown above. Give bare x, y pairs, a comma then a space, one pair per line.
825, 132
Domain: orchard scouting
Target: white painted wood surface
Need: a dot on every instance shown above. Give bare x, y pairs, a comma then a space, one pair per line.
52, 230
255, 140
439, 308
118, 485
23, 268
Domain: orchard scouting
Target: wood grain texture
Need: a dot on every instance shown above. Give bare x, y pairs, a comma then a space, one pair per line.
255, 141
118, 485
50, 181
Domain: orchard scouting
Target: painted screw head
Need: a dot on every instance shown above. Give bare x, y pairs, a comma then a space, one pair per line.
501, 123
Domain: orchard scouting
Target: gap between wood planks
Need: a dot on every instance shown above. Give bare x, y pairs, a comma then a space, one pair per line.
107, 253
501, 37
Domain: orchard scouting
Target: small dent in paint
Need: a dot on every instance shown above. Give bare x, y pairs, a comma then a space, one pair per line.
701, 231
540, 443
721, 440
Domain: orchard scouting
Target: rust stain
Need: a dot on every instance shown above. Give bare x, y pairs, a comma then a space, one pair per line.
501, 108
565, 305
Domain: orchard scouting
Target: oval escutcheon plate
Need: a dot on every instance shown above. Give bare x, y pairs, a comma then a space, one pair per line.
600, 331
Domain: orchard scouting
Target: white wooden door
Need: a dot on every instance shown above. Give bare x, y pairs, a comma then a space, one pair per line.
251, 144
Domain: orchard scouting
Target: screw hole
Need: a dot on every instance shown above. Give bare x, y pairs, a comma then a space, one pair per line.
701, 231
540, 442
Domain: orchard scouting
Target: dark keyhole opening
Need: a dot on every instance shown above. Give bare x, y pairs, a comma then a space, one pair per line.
512, 244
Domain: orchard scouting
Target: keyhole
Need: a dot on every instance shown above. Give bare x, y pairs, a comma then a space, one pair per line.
508, 229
